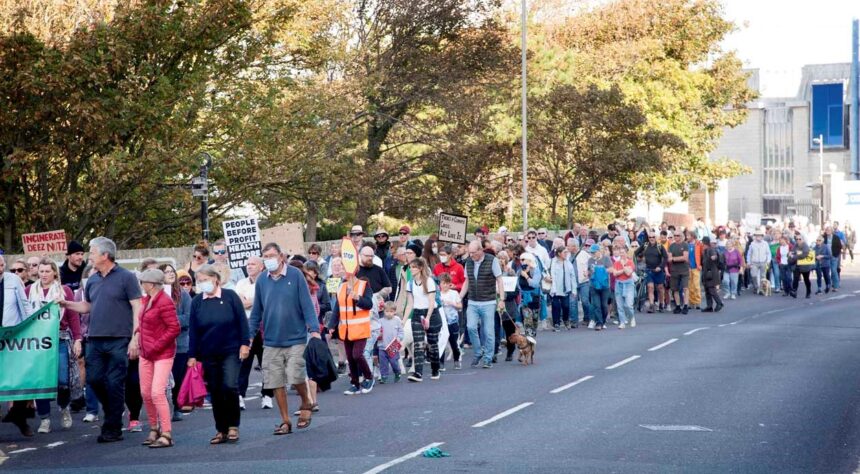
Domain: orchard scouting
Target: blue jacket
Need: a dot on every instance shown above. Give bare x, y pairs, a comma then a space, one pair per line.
823, 250
14, 306
285, 308
183, 312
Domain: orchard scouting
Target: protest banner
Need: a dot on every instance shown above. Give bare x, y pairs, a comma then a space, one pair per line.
452, 228
289, 236
679, 220
29, 357
349, 256
332, 284
242, 237
44, 243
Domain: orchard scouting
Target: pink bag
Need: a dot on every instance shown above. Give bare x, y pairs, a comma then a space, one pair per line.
193, 389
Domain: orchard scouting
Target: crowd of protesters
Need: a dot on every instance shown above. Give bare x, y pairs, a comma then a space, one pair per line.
128, 338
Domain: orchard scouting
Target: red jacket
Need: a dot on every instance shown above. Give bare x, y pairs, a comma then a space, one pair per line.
158, 328
458, 275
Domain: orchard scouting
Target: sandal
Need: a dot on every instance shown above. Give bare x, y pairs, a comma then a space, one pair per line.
233, 434
280, 430
219, 438
304, 421
314, 408
163, 441
153, 435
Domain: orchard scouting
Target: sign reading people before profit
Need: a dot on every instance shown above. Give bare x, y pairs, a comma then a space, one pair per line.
242, 237
452, 228
44, 243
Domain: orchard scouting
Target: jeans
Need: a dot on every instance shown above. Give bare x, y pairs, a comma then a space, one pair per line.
785, 274
221, 373
107, 364
573, 310
481, 313
387, 362
730, 282
624, 294
543, 309
823, 271
154, 377
370, 345
599, 305
43, 405
775, 276
92, 400
834, 271
584, 296
560, 309
453, 336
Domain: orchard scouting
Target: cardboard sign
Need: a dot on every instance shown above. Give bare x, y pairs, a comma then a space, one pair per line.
679, 220
349, 256
44, 243
452, 228
289, 236
242, 237
332, 284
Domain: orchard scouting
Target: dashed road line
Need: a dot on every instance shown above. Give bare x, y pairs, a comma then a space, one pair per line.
503, 414
660, 346
405, 457
572, 384
723, 325
54, 445
625, 361
694, 331
25, 450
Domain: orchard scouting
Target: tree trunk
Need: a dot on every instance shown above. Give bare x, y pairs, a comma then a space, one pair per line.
311, 218
569, 212
509, 212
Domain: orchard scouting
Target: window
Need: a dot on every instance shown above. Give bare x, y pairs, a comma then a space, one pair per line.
828, 115
778, 166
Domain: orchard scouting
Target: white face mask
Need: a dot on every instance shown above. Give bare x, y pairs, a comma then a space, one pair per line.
444, 259
271, 264
206, 287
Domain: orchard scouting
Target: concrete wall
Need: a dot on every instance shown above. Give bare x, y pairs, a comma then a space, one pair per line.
744, 144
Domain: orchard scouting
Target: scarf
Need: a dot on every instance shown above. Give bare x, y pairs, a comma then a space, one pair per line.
37, 298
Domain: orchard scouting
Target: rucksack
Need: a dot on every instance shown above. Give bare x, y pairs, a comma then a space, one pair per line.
600, 278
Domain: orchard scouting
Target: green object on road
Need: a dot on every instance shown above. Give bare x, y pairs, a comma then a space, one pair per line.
28, 355
435, 453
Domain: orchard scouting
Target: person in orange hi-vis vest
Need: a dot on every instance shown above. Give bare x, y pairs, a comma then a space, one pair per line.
353, 305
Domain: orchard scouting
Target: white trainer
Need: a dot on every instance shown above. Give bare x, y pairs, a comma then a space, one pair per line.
633, 322
90, 418
267, 403
45, 426
241, 402
622, 326
591, 325
66, 418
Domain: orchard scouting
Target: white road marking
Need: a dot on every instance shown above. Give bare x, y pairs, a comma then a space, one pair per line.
660, 346
399, 460
572, 384
54, 445
501, 415
832, 298
732, 324
857, 292
625, 361
694, 331
722, 325
17, 451
675, 428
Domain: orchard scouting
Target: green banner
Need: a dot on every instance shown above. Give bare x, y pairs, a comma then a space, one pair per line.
28, 356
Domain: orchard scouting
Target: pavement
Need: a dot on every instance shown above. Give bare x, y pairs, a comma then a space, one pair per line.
767, 385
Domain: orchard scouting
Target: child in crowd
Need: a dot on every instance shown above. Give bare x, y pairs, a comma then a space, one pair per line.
451, 306
389, 354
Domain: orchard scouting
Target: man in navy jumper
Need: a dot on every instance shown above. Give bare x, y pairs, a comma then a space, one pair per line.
282, 301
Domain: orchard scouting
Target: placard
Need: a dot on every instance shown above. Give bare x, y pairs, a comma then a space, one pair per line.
242, 237
289, 236
452, 228
349, 256
333, 284
510, 283
43, 243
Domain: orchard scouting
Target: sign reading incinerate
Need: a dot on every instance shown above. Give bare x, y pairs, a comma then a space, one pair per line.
452, 228
44, 243
242, 237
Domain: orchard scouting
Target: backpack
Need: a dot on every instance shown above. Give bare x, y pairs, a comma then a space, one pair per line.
600, 278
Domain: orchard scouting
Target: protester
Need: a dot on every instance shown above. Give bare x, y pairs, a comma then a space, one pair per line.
835, 242
199, 257
246, 289
186, 283
380, 286
598, 274
447, 264
711, 266
90, 398
803, 260
679, 257
353, 307
451, 306
32, 270
655, 258
14, 307
623, 270
158, 330
484, 277
182, 304
426, 322
72, 270
783, 254
563, 287
734, 261
218, 334
389, 357
759, 258
695, 254
823, 256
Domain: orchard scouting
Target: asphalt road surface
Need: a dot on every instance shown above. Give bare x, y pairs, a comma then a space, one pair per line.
767, 385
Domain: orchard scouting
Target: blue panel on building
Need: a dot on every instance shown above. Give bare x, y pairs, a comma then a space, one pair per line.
828, 114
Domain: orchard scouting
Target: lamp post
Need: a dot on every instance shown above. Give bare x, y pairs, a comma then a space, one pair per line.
200, 188
819, 140
524, 118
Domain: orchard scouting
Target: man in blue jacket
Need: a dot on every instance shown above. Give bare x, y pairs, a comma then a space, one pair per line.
282, 301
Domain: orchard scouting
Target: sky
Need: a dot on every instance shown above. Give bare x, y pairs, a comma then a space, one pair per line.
780, 37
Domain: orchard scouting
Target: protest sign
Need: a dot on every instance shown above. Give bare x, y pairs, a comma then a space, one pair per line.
452, 228
679, 220
29, 357
43, 243
242, 237
332, 284
349, 256
289, 236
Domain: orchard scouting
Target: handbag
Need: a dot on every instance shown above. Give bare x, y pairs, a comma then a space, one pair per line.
193, 389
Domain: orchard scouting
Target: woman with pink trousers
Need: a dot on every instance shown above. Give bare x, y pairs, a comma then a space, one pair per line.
158, 329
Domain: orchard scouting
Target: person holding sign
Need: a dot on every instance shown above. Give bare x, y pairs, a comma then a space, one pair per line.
353, 306
46, 290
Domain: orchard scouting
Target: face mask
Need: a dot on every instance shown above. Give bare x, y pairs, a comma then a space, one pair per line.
206, 287
444, 259
271, 264
434, 247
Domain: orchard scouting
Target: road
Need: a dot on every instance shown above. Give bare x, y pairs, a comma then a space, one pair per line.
767, 385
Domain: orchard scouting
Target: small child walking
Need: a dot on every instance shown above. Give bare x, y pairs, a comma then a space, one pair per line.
451, 306
389, 354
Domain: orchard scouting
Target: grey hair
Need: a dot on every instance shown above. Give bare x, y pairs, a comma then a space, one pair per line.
104, 245
572, 241
209, 270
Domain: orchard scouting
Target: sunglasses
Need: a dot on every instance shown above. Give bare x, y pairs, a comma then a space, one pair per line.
19, 270
404, 233
314, 253
33, 264
184, 283
356, 234
219, 252
198, 257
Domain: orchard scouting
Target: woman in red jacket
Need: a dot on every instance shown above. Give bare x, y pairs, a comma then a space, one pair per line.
158, 329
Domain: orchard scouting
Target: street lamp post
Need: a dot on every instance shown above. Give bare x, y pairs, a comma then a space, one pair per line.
200, 188
819, 140
525, 123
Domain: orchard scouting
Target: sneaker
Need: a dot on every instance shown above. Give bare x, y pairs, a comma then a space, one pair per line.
622, 326
435, 376
591, 325
381, 381
509, 358
487, 365
734, 297
66, 415
567, 325
556, 328
134, 426
396, 378
341, 368
718, 308
45, 426
818, 292
90, 418
476, 362
677, 310
442, 368
602, 326
457, 365
633, 322
415, 377
266, 403
685, 310
352, 390
241, 402
367, 386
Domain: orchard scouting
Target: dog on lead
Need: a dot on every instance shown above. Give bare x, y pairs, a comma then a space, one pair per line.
526, 346
766, 287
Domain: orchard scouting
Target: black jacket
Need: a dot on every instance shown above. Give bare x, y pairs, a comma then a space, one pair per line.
319, 364
711, 267
655, 255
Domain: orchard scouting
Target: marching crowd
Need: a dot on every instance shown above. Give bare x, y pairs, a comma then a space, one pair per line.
128, 339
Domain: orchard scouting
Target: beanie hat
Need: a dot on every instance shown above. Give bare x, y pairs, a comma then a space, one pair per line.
74, 247
415, 248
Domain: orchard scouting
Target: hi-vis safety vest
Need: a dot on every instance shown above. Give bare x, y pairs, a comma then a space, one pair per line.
354, 322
